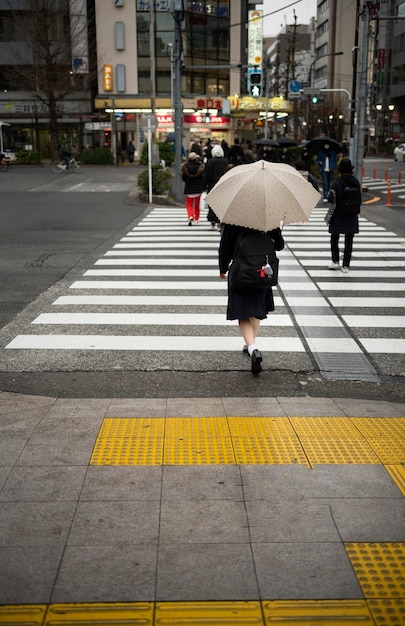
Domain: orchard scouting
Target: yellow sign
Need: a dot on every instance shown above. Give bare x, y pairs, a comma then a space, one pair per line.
108, 77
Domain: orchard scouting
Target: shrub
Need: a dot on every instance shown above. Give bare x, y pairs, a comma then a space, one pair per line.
25, 157
98, 156
165, 153
161, 180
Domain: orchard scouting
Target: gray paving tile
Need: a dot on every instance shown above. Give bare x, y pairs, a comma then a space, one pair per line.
195, 407
79, 407
27, 574
269, 407
15, 402
20, 423
208, 521
103, 523
318, 409
43, 484
281, 521
370, 520
4, 474
72, 448
121, 572
122, 483
208, 482
219, 572
369, 408
292, 571
265, 482
137, 407
11, 447
33, 524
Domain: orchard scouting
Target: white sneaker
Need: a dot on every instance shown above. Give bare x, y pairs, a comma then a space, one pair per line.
344, 269
334, 266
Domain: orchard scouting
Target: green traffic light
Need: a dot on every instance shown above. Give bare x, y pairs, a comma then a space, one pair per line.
314, 99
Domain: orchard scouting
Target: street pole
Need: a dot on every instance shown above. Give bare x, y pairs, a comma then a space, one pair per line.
359, 151
178, 14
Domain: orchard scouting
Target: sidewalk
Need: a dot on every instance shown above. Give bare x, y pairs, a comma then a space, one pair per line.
202, 510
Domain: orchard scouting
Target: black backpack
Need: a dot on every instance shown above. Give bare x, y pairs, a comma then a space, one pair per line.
255, 263
351, 200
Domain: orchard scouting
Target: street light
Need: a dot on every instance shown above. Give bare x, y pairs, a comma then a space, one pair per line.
380, 107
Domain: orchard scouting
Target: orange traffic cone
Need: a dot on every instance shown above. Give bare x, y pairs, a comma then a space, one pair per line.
399, 174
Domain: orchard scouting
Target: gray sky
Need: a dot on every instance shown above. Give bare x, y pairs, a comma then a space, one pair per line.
304, 10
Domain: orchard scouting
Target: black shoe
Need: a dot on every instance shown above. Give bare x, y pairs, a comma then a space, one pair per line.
245, 350
190, 221
256, 362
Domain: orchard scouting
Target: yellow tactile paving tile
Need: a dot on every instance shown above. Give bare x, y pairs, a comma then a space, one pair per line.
250, 440
103, 613
208, 613
319, 612
380, 568
24, 615
397, 473
269, 450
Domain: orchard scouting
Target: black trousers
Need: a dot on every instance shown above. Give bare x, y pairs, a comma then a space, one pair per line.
347, 254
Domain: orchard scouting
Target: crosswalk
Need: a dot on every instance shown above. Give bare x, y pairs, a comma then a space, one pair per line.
379, 186
154, 301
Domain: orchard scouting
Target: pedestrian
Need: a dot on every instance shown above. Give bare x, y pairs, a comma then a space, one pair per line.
269, 154
247, 149
301, 168
130, 152
236, 154
192, 174
327, 162
248, 306
344, 219
285, 156
214, 169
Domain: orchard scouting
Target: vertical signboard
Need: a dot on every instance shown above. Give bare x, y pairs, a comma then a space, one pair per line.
108, 78
255, 52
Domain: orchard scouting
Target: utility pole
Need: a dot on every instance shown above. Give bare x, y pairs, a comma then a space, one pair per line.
177, 10
360, 129
153, 151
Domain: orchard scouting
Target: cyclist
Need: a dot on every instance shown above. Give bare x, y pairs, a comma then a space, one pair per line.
65, 155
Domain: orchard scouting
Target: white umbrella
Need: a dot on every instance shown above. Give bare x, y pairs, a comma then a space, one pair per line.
260, 195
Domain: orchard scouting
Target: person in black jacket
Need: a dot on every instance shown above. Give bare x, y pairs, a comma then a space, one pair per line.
236, 154
342, 222
192, 174
248, 306
214, 169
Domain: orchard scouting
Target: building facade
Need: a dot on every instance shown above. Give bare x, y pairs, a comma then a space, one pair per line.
46, 77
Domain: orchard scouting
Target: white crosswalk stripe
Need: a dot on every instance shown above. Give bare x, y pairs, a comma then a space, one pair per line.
157, 290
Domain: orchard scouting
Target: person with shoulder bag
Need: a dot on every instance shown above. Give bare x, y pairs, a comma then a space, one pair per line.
343, 216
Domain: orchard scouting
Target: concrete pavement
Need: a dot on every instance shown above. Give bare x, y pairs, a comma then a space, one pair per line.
234, 510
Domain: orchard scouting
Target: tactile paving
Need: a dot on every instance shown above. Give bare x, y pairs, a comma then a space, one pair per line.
103, 613
198, 451
132, 427
325, 427
380, 568
212, 613
390, 451
128, 451
397, 473
197, 427
260, 427
387, 612
322, 612
338, 451
269, 450
24, 615
380, 426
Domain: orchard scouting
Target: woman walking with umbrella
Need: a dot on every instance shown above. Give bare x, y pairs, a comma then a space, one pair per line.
255, 198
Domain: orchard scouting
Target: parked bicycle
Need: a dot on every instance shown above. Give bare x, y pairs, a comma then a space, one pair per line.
4, 163
74, 165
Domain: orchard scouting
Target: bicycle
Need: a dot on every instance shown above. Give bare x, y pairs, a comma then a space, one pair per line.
4, 163
74, 165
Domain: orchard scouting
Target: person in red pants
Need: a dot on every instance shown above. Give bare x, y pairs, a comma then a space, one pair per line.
192, 174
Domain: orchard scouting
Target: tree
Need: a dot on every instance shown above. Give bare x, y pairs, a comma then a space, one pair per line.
49, 56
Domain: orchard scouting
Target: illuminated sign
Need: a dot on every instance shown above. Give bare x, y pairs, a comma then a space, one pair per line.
108, 78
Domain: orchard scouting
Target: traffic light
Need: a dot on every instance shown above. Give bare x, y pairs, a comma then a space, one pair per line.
314, 99
255, 84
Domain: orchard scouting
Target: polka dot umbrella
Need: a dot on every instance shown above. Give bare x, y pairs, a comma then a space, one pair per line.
261, 195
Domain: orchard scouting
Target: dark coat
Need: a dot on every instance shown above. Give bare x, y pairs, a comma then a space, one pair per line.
245, 303
214, 169
192, 175
341, 223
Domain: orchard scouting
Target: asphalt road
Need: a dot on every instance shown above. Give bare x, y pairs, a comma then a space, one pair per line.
52, 224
